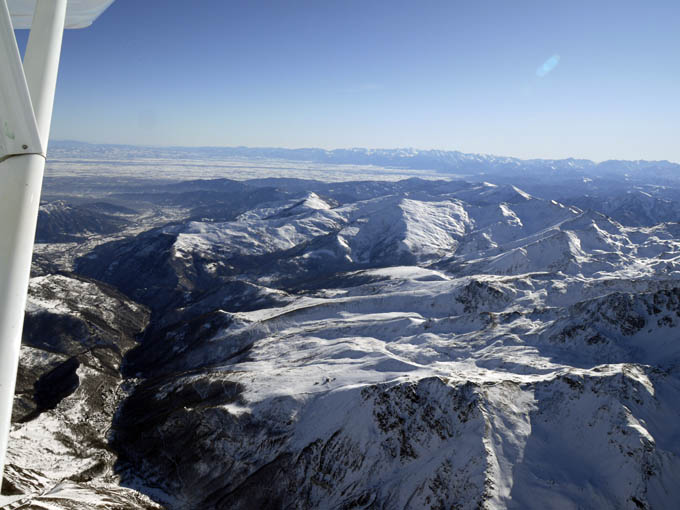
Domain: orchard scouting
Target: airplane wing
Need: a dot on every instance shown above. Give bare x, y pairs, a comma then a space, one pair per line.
79, 13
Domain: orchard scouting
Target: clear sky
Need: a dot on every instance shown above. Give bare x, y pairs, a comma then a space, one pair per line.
547, 78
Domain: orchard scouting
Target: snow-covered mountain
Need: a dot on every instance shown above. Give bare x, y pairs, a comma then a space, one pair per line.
417, 390
417, 344
59, 221
68, 389
634, 208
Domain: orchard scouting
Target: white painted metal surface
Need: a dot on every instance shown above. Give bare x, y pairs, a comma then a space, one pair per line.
26, 101
18, 129
34, 84
41, 61
79, 14
20, 183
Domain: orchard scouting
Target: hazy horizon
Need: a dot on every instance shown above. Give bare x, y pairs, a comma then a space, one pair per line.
336, 148
524, 79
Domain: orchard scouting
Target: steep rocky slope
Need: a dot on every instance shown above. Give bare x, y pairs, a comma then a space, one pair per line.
60, 222
69, 386
417, 391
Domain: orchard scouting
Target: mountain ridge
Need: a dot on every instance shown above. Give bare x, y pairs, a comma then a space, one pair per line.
407, 157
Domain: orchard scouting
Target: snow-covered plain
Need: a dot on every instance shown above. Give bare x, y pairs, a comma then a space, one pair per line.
193, 165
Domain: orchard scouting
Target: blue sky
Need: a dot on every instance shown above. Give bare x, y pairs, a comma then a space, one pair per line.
596, 79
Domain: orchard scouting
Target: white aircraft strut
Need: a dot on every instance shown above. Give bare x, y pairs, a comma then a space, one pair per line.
26, 102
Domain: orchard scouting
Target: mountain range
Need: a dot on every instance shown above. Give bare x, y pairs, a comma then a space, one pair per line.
423, 343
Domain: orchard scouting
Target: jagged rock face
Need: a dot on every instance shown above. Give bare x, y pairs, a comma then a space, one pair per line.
427, 443
71, 322
385, 436
76, 334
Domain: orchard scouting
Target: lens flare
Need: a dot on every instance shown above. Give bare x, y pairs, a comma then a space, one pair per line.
548, 66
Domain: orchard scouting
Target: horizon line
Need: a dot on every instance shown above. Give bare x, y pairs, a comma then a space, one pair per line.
261, 147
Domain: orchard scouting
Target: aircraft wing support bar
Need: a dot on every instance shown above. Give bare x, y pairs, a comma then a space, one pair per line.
19, 133
26, 101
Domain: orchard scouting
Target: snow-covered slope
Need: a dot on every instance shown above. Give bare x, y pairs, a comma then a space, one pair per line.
59, 221
69, 387
404, 345
420, 391
634, 207
520, 331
